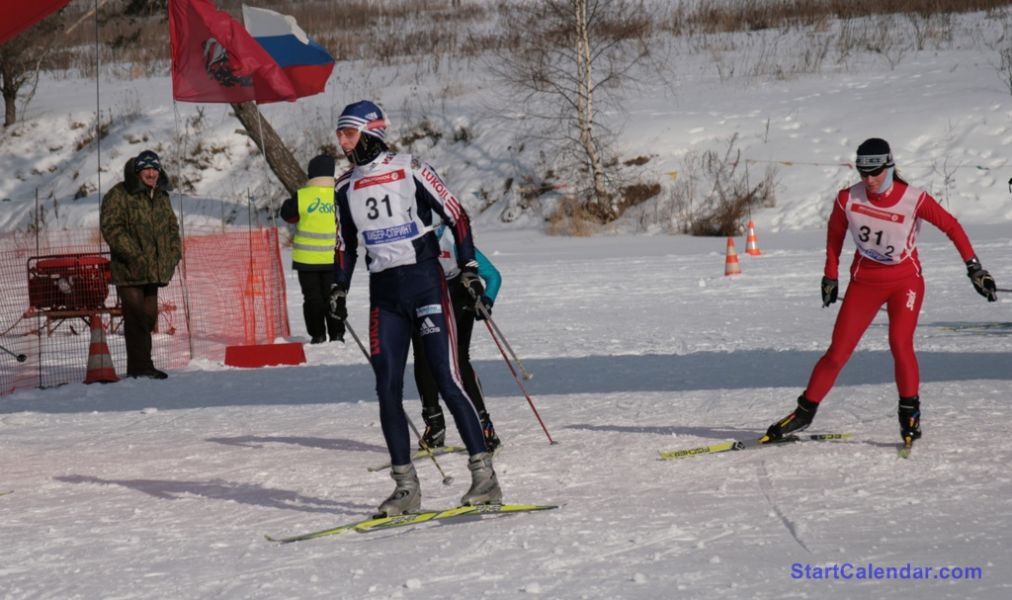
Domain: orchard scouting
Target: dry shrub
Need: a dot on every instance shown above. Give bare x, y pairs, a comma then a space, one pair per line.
639, 161
636, 194
571, 218
714, 194
753, 15
133, 33
89, 135
422, 131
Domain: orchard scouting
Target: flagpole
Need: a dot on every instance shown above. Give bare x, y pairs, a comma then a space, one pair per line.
98, 111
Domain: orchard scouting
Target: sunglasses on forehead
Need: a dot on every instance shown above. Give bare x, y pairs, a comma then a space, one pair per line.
872, 164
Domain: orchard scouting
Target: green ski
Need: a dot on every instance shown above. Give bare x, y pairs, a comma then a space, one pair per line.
908, 445
752, 444
378, 523
423, 454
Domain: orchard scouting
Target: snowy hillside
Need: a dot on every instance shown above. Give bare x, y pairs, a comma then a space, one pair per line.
945, 109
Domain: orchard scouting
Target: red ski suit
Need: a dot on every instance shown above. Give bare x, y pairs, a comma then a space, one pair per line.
899, 285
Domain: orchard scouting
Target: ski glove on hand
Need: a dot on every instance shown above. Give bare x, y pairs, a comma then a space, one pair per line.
472, 283
981, 280
487, 303
830, 288
338, 297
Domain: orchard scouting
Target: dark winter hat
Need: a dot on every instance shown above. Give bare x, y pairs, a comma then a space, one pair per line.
365, 117
321, 166
147, 160
873, 155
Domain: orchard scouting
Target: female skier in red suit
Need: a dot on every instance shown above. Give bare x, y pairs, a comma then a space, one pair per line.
883, 213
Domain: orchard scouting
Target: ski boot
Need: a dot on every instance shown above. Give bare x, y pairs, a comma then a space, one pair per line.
492, 441
797, 421
407, 496
484, 485
910, 419
434, 435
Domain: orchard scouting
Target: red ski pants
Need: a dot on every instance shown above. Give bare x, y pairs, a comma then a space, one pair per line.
903, 302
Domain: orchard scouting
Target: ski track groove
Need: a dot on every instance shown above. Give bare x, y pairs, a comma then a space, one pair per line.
766, 486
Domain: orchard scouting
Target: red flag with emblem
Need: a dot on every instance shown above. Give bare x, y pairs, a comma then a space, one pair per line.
20, 15
214, 58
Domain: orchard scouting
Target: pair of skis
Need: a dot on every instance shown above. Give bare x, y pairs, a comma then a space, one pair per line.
764, 441
380, 523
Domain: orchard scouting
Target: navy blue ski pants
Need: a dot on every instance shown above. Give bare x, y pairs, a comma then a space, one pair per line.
407, 300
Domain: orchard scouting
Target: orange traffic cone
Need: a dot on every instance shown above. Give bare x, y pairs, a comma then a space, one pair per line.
731, 264
100, 367
751, 243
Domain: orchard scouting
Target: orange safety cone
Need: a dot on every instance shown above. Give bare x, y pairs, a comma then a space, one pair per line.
100, 367
731, 264
751, 243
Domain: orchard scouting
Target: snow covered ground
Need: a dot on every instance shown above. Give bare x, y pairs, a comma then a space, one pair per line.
165, 489
150, 490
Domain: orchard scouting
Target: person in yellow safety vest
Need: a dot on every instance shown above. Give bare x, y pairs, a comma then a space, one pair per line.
315, 218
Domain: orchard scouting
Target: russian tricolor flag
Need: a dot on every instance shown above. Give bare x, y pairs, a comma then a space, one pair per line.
306, 63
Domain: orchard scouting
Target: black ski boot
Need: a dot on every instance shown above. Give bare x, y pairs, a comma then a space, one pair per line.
910, 418
435, 429
797, 421
488, 431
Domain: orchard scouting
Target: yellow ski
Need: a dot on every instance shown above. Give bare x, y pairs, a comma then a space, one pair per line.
750, 444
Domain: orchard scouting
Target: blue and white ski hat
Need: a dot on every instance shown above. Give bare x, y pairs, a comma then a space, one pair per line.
365, 117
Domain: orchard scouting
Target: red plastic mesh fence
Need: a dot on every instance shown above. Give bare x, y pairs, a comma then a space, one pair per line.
236, 288
229, 289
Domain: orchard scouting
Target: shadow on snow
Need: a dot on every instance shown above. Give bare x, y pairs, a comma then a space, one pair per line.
217, 489
699, 371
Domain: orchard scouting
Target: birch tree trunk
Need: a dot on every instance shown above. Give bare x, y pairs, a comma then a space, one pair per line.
585, 112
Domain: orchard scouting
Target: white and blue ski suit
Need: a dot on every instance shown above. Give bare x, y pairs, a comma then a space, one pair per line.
391, 204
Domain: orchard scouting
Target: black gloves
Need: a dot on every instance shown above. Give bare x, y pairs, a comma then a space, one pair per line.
981, 280
487, 303
472, 283
830, 288
338, 297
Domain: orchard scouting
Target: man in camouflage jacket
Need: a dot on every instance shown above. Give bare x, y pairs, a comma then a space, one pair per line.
142, 232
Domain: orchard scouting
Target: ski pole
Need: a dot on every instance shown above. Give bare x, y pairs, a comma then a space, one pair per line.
447, 480
488, 318
995, 289
515, 378
19, 357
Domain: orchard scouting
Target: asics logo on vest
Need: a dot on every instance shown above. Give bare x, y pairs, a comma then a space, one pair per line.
381, 179
318, 205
